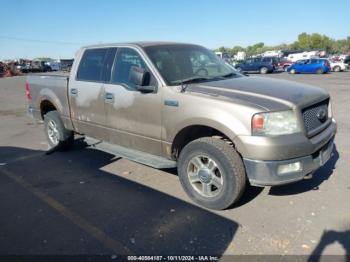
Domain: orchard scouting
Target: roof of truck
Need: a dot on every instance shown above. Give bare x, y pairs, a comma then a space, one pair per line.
140, 44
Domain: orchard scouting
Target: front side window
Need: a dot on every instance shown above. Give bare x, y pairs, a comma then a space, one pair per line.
125, 59
177, 63
91, 65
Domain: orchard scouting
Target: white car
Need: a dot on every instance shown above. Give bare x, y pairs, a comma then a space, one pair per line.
338, 66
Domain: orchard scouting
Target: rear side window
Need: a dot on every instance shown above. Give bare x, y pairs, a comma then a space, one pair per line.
91, 65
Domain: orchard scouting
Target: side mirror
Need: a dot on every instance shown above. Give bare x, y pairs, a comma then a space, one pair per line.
141, 79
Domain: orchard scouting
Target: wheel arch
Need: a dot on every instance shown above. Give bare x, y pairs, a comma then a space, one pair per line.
195, 131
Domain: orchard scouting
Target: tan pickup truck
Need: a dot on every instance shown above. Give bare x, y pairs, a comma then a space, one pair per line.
170, 105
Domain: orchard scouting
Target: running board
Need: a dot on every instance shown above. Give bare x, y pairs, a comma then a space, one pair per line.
131, 154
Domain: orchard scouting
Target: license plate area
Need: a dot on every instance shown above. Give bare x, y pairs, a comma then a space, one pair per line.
324, 154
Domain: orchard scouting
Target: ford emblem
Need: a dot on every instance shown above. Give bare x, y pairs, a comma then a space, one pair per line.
322, 115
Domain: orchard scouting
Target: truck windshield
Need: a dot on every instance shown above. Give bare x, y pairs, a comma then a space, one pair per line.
178, 63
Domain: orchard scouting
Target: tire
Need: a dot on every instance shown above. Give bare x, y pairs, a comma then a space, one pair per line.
264, 70
337, 69
56, 134
227, 167
319, 71
292, 71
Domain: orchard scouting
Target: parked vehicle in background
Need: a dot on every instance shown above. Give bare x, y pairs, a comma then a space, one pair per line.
241, 55
347, 60
284, 63
224, 56
66, 64
301, 56
337, 66
311, 66
2, 69
172, 105
263, 65
272, 53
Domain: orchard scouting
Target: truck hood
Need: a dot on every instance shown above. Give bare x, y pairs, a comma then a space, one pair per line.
270, 94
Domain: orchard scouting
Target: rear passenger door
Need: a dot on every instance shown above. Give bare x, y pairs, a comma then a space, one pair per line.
86, 94
133, 117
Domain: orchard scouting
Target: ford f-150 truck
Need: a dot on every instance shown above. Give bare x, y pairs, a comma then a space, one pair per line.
170, 105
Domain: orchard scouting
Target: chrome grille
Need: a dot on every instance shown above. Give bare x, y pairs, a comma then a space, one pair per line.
311, 116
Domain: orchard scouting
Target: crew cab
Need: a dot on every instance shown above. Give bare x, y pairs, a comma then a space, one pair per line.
169, 105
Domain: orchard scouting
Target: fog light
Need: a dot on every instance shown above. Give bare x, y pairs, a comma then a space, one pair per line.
289, 168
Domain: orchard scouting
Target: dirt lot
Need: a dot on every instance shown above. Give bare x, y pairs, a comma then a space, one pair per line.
89, 202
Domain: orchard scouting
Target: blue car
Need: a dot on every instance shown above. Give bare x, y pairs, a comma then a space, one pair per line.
310, 66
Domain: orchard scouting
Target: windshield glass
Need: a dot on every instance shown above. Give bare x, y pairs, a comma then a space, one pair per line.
178, 63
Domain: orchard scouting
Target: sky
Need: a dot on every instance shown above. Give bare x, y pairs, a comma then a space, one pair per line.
58, 28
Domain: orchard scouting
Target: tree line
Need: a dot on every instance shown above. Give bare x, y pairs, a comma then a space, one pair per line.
305, 42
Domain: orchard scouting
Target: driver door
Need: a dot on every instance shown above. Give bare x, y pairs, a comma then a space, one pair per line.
133, 117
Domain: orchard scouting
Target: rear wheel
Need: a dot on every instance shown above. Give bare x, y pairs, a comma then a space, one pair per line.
292, 71
212, 172
57, 135
264, 70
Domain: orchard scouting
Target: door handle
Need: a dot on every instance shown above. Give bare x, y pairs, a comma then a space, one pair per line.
109, 97
74, 92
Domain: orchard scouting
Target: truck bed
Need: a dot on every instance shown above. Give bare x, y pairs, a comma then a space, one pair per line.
53, 85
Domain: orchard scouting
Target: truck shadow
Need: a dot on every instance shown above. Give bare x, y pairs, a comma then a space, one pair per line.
144, 220
318, 178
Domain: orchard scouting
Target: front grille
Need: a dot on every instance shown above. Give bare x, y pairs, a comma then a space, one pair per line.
311, 116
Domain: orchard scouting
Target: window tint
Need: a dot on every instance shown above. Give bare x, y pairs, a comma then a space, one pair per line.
125, 59
91, 65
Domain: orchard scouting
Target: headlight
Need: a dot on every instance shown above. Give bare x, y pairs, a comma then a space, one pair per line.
275, 123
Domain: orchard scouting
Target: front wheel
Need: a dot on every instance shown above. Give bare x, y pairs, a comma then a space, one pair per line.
212, 173
57, 135
292, 71
319, 71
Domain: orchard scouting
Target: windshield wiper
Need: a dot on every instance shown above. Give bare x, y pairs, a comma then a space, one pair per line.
184, 83
229, 75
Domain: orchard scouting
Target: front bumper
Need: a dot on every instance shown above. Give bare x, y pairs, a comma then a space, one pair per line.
267, 172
